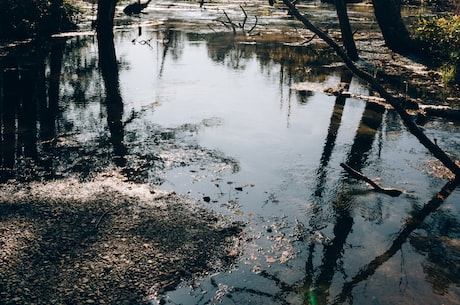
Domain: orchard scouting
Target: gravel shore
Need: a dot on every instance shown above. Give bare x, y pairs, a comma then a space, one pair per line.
105, 242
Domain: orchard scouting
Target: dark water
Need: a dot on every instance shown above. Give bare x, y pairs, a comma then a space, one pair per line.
204, 114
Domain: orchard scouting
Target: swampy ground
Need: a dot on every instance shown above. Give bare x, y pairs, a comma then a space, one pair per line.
200, 167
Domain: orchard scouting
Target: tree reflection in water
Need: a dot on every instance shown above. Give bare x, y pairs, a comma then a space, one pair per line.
32, 125
113, 101
28, 110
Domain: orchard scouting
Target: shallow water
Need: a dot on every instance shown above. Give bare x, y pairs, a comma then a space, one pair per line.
218, 118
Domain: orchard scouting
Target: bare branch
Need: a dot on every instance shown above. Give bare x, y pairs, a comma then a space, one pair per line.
389, 191
245, 17
254, 26
231, 22
393, 101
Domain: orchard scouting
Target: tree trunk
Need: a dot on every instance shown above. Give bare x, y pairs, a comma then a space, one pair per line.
105, 16
55, 18
347, 34
395, 33
375, 84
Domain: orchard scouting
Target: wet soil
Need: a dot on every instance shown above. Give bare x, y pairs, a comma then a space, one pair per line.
105, 241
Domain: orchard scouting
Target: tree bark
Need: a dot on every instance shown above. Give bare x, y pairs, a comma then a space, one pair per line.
105, 16
394, 31
345, 28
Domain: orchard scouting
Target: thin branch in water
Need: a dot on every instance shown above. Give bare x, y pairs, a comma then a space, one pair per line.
389, 191
245, 18
230, 22
254, 26
308, 40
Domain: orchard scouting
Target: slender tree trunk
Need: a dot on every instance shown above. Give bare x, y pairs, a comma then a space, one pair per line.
395, 33
105, 16
347, 34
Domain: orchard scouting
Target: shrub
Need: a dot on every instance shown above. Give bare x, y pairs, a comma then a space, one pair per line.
28, 18
440, 40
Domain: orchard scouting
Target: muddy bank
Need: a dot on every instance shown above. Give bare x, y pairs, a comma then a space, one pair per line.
105, 241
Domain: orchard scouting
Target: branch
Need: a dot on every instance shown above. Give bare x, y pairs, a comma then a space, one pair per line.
394, 102
239, 25
230, 21
245, 18
254, 26
389, 191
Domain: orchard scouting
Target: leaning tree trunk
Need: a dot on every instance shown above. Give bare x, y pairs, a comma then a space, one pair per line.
395, 33
375, 84
105, 16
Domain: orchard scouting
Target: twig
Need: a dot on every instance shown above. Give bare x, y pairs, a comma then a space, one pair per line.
99, 220
308, 40
245, 18
389, 191
254, 26
230, 21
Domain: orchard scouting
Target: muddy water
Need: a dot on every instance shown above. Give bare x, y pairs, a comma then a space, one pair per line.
203, 113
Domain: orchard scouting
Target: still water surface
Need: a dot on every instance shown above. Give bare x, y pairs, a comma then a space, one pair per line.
208, 116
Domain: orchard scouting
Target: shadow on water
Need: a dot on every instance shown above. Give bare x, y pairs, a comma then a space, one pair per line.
77, 106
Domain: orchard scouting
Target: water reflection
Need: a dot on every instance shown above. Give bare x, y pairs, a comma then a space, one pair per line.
28, 109
319, 279
90, 108
412, 223
113, 102
333, 129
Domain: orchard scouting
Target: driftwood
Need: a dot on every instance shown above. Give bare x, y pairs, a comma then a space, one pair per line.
389, 191
441, 111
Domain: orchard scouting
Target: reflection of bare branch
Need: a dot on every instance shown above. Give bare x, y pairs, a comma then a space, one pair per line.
396, 103
412, 223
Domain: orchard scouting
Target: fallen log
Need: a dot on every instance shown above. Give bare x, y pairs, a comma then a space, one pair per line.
389, 191
441, 111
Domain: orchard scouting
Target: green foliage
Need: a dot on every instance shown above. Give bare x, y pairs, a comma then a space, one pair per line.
27, 18
440, 39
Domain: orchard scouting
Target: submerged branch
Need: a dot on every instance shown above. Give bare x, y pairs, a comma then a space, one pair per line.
374, 83
389, 191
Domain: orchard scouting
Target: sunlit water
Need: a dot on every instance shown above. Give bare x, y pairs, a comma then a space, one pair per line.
222, 123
